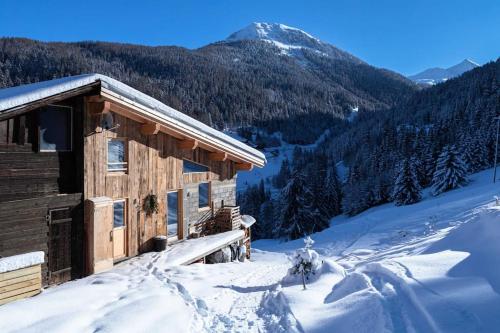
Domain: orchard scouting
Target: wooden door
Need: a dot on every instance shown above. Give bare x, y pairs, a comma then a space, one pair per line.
59, 254
119, 230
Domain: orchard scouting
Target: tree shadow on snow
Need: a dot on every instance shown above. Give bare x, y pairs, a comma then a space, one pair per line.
250, 289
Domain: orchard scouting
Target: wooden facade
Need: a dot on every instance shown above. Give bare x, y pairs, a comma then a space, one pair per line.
154, 166
62, 201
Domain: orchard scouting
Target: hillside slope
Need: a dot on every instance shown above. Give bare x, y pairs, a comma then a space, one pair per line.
429, 267
229, 83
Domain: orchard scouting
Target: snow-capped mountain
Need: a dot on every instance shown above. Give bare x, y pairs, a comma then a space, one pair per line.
291, 41
437, 75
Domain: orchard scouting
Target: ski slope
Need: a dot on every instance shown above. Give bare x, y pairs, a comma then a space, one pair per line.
428, 267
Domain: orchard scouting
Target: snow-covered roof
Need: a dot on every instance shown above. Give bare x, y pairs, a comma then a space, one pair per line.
25, 94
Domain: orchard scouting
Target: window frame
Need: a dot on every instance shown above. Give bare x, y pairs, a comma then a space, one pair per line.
39, 136
195, 172
123, 170
124, 213
209, 196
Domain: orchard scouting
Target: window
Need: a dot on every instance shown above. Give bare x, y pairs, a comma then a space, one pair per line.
190, 167
204, 195
116, 155
55, 128
172, 213
119, 214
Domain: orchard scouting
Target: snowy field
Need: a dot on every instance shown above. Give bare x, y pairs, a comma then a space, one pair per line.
430, 267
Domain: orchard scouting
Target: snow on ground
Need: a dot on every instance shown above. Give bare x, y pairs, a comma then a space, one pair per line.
428, 267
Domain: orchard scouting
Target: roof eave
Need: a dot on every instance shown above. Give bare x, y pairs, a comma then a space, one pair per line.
182, 129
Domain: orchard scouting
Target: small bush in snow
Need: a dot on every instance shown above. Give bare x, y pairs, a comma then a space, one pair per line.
305, 261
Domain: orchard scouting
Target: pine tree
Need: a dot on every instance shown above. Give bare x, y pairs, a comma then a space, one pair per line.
420, 171
451, 171
281, 179
356, 198
305, 262
264, 229
479, 156
298, 216
406, 188
332, 197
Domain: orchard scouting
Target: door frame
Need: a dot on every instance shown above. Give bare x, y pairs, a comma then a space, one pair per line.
180, 215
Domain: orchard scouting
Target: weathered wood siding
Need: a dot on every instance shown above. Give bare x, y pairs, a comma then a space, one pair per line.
33, 182
24, 228
27, 173
154, 166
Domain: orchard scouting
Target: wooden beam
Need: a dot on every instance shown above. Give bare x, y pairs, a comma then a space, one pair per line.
243, 166
150, 128
96, 108
188, 144
222, 156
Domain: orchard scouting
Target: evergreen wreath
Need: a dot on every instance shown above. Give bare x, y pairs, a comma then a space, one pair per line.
151, 204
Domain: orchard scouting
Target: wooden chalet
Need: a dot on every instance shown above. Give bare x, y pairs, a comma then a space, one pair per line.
92, 170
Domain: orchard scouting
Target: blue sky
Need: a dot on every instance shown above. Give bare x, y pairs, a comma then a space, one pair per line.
405, 36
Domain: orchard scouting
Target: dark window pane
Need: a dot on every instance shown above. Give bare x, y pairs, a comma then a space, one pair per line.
116, 155
172, 213
119, 214
188, 167
55, 128
203, 190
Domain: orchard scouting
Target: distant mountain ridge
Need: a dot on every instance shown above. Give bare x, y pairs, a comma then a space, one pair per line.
437, 75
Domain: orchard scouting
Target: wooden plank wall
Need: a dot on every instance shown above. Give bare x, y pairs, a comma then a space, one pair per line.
19, 284
154, 166
27, 173
24, 228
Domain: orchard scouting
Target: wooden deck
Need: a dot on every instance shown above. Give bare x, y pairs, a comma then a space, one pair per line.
192, 250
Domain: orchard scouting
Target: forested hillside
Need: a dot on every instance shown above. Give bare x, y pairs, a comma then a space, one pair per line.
223, 84
436, 138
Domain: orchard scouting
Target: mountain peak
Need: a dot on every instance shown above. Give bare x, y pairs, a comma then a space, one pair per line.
468, 61
270, 31
289, 40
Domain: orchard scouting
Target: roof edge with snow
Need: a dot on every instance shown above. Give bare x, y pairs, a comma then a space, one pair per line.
24, 95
